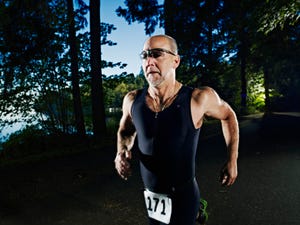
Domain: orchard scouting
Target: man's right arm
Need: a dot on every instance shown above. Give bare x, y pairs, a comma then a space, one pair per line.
125, 137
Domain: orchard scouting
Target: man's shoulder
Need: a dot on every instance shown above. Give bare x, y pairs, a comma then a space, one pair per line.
130, 96
202, 91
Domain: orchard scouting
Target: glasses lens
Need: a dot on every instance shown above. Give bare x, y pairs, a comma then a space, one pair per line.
144, 55
155, 53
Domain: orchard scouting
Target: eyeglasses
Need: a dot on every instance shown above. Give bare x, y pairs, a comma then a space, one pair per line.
155, 53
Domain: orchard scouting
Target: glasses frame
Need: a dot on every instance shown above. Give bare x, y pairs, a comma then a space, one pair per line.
150, 54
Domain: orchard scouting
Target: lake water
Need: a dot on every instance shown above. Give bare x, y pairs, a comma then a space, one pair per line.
8, 130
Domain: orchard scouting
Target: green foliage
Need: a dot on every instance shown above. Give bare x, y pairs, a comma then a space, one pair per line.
55, 111
113, 124
224, 40
33, 141
23, 142
35, 63
278, 14
145, 11
115, 88
256, 93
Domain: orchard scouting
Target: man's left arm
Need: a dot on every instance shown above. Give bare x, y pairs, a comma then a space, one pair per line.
230, 130
215, 107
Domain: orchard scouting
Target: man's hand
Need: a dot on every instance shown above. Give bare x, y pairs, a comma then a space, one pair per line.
229, 173
122, 164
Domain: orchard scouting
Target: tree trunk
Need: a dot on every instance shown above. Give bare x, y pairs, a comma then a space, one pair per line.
98, 110
79, 120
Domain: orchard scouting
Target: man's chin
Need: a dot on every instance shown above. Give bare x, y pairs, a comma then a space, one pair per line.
153, 74
154, 83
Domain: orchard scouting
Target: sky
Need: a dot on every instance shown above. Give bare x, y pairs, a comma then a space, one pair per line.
129, 39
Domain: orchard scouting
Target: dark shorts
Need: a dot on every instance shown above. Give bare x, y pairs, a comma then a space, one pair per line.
185, 203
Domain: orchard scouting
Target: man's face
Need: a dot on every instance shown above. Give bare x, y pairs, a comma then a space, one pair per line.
158, 61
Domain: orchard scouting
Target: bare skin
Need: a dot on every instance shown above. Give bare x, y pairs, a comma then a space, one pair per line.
160, 73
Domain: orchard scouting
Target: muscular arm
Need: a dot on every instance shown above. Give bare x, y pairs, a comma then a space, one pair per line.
231, 134
206, 102
125, 137
126, 132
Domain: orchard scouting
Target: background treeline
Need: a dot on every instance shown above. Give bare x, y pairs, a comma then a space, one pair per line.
247, 50
50, 63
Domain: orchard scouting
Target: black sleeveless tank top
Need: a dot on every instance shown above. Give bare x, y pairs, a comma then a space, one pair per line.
167, 143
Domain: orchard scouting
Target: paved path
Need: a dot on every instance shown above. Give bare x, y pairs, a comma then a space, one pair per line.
85, 190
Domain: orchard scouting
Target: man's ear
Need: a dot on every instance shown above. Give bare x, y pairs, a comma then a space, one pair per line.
176, 61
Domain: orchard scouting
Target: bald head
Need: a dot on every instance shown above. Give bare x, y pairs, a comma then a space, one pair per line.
168, 40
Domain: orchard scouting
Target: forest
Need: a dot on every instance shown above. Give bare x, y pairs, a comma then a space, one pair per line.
51, 65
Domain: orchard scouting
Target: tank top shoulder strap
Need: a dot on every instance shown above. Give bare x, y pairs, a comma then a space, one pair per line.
184, 99
185, 94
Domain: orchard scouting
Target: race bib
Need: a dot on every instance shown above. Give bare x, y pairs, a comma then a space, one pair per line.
159, 206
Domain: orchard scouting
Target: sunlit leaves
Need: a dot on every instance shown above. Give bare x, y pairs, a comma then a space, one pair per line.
278, 13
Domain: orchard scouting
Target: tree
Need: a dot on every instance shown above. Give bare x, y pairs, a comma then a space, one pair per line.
202, 50
143, 11
79, 120
98, 110
239, 27
222, 33
35, 59
278, 14
26, 37
274, 49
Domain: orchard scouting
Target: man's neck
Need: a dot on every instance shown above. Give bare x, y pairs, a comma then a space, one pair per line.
164, 92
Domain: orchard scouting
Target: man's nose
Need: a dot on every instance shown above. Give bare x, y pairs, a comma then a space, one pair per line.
150, 61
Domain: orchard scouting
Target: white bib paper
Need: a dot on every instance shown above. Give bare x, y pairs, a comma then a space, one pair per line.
159, 206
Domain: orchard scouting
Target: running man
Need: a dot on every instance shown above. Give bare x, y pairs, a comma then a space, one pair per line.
166, 118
